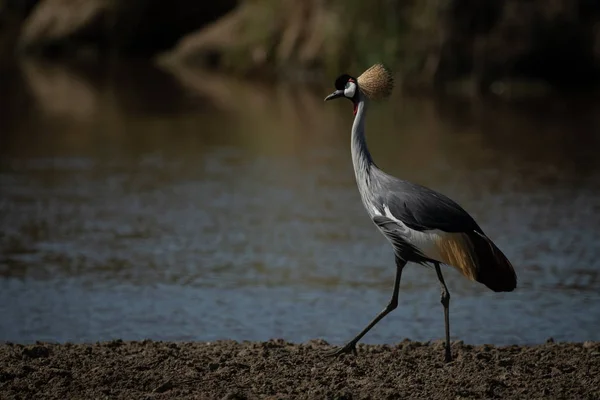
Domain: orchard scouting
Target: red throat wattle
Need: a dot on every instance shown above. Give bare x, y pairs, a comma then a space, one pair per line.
355, 108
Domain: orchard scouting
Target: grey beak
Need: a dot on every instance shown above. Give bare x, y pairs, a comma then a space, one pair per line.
335, 95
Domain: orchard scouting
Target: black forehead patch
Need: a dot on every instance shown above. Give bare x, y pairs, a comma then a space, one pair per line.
340, 82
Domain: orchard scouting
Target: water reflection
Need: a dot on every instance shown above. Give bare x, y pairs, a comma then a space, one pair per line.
183, 205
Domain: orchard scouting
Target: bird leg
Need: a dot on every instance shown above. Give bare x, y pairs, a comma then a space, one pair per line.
446, 303
350, 347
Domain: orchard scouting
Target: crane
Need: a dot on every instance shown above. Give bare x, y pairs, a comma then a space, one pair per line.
422, 225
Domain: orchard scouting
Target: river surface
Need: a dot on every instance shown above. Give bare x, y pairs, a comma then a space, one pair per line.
139, 203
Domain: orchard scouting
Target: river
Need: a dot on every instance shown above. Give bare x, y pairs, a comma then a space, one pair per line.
140, 203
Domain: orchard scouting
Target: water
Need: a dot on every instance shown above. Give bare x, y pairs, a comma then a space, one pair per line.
139, 204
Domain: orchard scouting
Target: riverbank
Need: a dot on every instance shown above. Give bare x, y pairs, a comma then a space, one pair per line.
280, 370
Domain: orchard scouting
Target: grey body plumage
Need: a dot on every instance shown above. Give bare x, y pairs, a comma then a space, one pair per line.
422, 225
418, 207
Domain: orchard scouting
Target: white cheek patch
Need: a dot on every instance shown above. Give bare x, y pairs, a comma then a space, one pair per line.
350, 90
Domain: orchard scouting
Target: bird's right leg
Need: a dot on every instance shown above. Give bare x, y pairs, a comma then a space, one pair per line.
350, 347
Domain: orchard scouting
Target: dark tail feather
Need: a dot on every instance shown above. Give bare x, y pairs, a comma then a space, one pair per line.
494, 269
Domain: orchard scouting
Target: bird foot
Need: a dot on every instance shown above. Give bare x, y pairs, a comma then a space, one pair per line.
346, 349
448, 356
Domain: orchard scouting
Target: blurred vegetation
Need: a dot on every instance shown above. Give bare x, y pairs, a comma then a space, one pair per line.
473, 45
286, 36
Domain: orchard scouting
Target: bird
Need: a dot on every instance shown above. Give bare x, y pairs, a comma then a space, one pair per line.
422, 225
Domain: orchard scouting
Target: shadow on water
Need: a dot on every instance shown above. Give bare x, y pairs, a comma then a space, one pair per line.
184, 205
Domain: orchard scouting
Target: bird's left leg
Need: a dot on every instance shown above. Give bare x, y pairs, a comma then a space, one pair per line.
350, 347
446, 303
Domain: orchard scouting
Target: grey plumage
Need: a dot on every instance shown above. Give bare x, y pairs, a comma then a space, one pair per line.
422, 225
421, 208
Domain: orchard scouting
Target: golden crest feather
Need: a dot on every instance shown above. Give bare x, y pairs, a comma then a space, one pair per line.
377, 82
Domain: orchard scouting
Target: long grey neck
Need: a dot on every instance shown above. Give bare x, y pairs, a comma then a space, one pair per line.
361, 158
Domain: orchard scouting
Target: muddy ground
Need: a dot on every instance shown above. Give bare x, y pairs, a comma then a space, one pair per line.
280, 370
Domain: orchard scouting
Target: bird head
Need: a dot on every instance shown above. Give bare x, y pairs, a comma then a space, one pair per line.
345, 86
375, 83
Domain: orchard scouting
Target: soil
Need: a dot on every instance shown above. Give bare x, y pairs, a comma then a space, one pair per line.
281, 370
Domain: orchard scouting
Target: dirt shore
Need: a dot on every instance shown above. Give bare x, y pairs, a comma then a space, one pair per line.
280, 370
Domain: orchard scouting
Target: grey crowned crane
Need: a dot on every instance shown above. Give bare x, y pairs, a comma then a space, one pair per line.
422, 225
